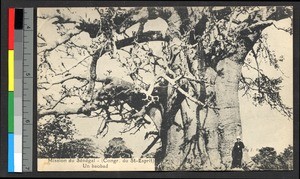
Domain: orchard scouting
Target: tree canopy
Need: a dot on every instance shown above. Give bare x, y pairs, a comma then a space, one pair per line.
117, 64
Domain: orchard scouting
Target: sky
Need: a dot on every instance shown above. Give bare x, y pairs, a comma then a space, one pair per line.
261, 126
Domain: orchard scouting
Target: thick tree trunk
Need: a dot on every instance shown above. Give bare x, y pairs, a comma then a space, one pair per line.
203, 139
171, 135
209, 120
226, 87
185, 145
172, 139
195, 155
211, 137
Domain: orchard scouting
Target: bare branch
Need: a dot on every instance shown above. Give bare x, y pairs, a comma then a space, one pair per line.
257, 27
60, 80
64, 39
66, 110
68, 70
151, 145
174, 85
143, 37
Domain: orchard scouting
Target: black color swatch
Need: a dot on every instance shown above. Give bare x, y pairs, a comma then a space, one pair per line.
19, 19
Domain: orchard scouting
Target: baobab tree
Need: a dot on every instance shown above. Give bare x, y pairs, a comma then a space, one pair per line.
183, 79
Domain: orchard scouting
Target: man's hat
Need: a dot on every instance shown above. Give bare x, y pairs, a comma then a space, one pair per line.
238, 137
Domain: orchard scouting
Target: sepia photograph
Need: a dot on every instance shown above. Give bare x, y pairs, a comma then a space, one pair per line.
181, 88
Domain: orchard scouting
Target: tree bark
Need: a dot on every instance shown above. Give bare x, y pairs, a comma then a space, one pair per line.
211, 138
209, 120
173, 139
185, 145
229, 124
194, 149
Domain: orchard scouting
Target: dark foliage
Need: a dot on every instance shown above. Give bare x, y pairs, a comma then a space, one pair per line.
267, 159
117, 149
56, 140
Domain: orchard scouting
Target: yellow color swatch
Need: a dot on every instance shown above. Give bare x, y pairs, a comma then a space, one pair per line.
11, 72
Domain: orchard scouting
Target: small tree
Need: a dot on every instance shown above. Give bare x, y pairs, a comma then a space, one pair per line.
56, 140
266, 158
285, 158
52, 134
79, 148
117, 149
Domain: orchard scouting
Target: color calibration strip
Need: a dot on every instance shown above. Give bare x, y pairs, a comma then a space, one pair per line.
20, 89
11, 86
15, 89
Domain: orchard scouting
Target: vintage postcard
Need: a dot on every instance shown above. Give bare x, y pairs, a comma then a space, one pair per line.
165, 88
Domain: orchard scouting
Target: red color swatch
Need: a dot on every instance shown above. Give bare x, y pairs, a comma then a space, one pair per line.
11, 28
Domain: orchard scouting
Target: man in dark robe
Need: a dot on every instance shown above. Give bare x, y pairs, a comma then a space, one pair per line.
237, 153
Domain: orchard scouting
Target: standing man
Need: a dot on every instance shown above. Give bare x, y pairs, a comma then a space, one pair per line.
237, 153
